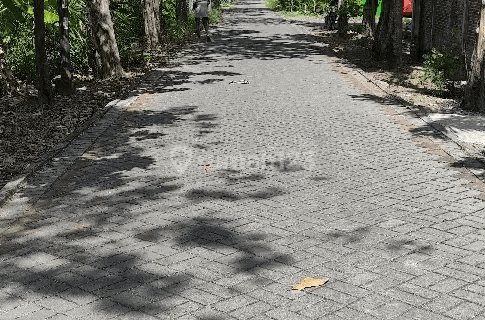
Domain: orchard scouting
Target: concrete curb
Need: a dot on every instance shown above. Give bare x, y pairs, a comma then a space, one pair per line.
20, 181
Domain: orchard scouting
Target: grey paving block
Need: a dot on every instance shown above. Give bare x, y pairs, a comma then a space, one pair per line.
320, 309
391, 310
447, 285
40, 314
283, 314
466, 310
56, 304
24, 310
303, 182
420, 314
234, 303
443, 303
201, 297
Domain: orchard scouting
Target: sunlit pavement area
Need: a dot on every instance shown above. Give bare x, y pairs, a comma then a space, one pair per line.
249, 165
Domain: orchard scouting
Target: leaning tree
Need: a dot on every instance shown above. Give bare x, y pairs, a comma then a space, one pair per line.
106, 62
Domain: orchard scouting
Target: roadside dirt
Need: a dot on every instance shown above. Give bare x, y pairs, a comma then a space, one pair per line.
29, 133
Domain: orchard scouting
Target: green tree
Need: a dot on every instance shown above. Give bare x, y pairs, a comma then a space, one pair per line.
369, 17
64, 84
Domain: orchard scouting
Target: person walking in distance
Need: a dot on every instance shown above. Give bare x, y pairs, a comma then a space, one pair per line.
201, 8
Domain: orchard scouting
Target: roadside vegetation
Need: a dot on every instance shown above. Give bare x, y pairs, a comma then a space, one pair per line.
61, 61
53, 79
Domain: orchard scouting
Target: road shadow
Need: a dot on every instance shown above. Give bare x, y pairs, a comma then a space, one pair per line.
348, 237
469, 128
355, 50
171, 80
210, 233
76, 243
409, 246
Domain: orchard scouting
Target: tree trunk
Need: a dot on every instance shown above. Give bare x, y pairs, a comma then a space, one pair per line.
64, 84
370, 17
42, 78
343, 18
388, 41
150, 12
331, 16
6, 76
182, 9
107, 59
475, 91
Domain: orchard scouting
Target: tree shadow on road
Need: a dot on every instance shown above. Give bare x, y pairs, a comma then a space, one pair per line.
435, 129
172, 80
348, 237
211, 234
76, 245
105, 234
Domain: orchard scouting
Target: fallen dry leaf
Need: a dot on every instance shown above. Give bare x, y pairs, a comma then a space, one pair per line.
78, 226
309, 282
207, 168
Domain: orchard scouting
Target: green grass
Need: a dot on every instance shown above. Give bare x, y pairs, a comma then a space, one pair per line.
295, 14
271, 4
228, 5
299, 15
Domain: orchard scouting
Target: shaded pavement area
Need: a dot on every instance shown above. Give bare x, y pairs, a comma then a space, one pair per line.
208, 197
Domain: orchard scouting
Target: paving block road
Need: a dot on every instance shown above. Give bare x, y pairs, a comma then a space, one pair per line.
252, 162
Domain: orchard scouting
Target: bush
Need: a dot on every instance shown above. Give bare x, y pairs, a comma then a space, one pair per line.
439, 66
356, 28
352, 8
177, 30
20, 51
215, 15
17, 32
126, 15
302, 6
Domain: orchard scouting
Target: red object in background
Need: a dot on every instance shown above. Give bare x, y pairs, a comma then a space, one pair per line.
407, 8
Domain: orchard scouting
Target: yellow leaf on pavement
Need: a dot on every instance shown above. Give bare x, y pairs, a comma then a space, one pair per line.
309, 282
